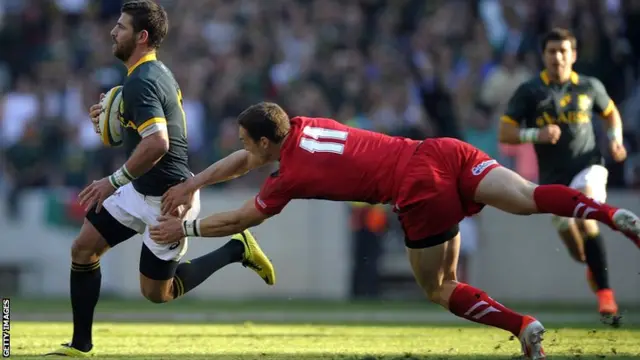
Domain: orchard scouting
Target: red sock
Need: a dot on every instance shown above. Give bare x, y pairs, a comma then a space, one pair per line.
475, 305
567, 202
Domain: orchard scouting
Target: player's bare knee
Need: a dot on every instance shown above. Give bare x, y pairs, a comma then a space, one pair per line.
88, 246
432, 291
156, 295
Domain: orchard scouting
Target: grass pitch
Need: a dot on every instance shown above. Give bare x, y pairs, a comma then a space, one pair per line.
305, 342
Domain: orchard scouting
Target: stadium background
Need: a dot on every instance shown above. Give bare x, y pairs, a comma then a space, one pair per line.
405, 67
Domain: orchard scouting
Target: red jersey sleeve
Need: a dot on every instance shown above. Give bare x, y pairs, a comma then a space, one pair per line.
273, 195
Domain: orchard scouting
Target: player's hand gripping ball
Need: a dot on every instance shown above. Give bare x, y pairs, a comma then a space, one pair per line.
108, 124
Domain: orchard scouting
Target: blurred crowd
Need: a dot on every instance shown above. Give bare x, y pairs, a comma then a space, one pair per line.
416, 68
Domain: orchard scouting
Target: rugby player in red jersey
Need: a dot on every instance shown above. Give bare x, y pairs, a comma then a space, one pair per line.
433, 185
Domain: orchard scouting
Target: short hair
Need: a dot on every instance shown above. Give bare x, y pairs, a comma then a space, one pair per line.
265, 119
558, 34
150, 16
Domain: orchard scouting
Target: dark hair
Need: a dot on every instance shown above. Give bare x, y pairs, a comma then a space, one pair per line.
558, 34
147, 15
265, 119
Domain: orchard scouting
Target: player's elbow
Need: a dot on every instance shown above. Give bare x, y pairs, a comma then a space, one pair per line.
157, 143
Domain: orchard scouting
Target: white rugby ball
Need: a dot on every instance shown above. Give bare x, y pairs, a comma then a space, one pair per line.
109, 126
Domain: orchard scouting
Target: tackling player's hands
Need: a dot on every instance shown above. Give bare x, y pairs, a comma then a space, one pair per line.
618, 151
96, 194
177, 200
94, 113
168, 230
549, 134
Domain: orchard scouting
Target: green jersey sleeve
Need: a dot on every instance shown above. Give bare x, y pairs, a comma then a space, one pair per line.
142, 100
602, 103
518, 107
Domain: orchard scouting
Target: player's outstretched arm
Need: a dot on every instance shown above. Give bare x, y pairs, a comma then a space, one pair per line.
230, 167
171, 229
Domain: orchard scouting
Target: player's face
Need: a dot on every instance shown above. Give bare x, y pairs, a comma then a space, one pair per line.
257, 148
559, 57
124, 39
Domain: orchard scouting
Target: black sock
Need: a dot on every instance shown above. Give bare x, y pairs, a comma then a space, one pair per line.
85, 291
596, 260
194, 272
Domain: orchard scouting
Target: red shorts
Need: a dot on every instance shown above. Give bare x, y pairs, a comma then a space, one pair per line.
438, 187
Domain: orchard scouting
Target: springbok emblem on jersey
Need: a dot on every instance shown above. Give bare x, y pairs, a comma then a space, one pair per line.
584, 102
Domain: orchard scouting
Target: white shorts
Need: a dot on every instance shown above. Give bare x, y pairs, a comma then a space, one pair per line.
595, 178
137, 211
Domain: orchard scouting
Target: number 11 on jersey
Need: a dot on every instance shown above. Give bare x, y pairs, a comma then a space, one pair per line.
310, 143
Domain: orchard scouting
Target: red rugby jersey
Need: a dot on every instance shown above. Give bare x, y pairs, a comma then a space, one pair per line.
323, 159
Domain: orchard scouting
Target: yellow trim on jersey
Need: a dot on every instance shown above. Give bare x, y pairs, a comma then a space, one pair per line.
609, 109
149, 57
544, 76
509, 120
146, 124
574, 77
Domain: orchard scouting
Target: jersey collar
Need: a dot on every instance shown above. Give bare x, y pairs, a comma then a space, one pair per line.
544, 76
149, 57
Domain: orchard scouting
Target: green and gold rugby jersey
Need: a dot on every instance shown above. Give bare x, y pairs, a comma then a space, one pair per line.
539, 102
151, 99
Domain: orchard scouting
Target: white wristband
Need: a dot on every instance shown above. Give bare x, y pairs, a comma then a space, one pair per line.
121, 177
529, 135
615, 134
191, 227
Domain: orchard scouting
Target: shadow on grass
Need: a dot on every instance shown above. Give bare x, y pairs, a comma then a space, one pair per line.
338, 356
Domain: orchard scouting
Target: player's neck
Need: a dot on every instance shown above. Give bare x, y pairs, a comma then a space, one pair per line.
559, 78
139, 56
277, 154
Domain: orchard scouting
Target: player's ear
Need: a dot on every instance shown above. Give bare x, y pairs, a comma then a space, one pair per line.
264, 142
143, 36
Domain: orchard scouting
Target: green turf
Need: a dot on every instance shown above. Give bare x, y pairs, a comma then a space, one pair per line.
188, 305
306, 342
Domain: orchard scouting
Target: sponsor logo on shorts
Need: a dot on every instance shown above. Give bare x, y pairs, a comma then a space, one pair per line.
478, 169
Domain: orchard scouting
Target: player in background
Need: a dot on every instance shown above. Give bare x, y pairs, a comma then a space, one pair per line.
433, 185
127, 202
554, 111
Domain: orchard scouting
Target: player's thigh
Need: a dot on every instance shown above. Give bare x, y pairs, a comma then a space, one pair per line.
103, 230
158, 262
506, 190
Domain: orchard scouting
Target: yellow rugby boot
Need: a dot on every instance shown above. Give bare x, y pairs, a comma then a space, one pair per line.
69, 351
255, 259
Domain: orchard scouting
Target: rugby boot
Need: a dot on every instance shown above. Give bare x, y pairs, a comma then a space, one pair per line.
628, 223
254, 258
69, 351
531, 336
608, 308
